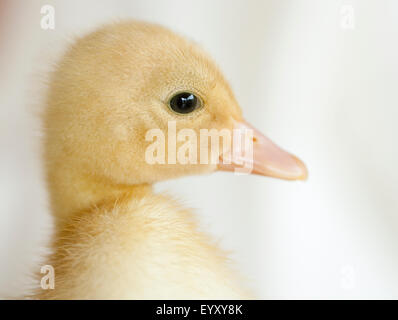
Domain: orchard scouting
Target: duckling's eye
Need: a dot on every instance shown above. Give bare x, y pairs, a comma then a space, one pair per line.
184, 102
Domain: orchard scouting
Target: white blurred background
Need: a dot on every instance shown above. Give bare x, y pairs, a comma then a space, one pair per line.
319, 77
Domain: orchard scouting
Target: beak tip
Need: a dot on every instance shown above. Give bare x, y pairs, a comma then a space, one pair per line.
303, 177
303, 169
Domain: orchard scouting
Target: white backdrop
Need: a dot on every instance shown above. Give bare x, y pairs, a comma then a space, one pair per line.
320, 90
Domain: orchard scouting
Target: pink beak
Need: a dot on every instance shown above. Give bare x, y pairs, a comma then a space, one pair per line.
264, 157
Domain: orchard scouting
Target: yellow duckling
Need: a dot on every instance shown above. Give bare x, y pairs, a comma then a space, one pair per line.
114, 238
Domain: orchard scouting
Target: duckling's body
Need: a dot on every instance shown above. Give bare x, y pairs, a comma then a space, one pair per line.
114, 238
142, 246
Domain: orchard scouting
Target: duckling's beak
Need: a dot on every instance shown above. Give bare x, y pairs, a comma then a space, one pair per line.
261, 157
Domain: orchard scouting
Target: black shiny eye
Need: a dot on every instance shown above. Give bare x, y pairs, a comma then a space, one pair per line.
184, 102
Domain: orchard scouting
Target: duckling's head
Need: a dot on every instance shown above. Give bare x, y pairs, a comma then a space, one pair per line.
114, 93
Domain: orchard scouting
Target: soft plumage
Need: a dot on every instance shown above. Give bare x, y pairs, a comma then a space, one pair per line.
113, 237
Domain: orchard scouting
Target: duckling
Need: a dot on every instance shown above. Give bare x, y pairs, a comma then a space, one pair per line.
114, 238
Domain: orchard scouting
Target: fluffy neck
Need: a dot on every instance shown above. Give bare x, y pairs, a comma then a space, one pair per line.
123, 242
72, 192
